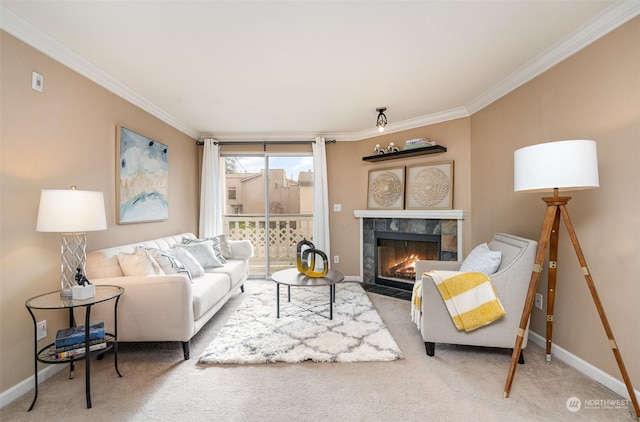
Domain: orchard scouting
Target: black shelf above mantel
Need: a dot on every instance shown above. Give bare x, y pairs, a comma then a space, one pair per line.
434, 149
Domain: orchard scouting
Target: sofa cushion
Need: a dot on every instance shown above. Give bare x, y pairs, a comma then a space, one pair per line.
207, 291
482, 259
236, 269
189, 262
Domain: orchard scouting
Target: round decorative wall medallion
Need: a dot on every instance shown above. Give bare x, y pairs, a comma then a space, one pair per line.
430, 187
387, 189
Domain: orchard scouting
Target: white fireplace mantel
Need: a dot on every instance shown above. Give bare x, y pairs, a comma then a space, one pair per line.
426, 214
421, 214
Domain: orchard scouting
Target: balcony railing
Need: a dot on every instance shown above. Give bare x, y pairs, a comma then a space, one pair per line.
285, 231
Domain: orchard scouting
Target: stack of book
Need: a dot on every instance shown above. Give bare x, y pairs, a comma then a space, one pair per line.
418, 143
70, 342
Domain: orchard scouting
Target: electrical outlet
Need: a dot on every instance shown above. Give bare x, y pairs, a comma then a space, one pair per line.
336, 259
42, 330
538, 302
337, 207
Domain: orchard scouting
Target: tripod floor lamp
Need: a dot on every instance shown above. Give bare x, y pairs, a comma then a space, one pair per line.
567, 165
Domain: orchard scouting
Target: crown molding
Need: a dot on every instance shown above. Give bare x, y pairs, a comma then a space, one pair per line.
439, 117
611, 18
259, 137
41, 41
430, 119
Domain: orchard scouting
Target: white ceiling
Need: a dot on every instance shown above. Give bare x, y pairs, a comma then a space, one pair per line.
301, 68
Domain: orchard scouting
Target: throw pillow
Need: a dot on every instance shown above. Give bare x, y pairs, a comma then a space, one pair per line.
164, 259
136, 264
167, 262
156, 267
203, 252
242, 249
482, 260
225, 247
189, 261
215, 242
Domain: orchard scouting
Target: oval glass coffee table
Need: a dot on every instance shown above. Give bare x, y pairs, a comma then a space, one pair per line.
292, 277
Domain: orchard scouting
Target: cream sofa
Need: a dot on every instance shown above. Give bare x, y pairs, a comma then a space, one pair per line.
511, 282
169, 307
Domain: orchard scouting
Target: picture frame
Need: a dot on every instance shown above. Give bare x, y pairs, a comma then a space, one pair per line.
430, 186
385, 189
142, 178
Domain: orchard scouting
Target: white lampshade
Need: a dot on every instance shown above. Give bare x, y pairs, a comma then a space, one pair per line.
71, 211
567, 165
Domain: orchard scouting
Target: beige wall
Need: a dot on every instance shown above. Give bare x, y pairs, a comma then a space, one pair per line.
348, 179
593, 95
62, 137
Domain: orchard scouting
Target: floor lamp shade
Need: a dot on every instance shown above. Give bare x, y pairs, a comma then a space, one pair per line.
567, 165
73, 213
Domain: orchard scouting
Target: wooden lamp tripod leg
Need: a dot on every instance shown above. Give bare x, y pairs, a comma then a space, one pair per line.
549, 221
556, 206
600, 309
551, 285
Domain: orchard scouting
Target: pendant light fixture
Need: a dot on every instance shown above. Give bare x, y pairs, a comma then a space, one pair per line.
381, 122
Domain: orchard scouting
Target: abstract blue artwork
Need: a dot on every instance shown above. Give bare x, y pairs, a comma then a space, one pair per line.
143, 178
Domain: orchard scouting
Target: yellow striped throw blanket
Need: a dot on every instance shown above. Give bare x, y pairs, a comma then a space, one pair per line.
416, 303
470, 298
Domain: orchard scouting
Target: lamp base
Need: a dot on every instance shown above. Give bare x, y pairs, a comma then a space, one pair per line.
74, 256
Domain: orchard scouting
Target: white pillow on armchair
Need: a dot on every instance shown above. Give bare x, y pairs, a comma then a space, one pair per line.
482, 260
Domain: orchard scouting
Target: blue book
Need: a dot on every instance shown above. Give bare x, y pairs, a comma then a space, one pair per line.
75, 335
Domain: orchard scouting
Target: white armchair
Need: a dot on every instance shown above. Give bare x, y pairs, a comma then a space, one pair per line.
511, 282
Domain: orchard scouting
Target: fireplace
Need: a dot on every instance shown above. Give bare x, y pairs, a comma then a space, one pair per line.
441, 228
396, 254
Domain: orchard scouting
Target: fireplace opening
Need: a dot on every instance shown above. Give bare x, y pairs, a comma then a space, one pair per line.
396, 254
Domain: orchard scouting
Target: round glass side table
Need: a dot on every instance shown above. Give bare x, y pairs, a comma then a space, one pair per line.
48, 355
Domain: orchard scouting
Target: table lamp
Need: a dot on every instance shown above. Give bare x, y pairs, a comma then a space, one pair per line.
567, 165
71, 212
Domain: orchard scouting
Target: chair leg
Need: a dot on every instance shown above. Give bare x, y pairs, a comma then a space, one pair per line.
431, 348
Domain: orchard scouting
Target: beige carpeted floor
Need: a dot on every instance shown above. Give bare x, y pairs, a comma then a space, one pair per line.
458, 384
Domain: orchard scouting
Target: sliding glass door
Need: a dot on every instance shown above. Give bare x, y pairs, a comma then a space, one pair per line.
269, 200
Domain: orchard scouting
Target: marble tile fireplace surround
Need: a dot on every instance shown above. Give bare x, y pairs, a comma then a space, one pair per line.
439, 230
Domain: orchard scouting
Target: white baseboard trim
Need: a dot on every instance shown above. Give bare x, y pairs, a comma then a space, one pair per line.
582, 366
27, 385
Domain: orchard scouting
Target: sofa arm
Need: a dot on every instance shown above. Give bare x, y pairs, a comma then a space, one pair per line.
152, 308
241, 249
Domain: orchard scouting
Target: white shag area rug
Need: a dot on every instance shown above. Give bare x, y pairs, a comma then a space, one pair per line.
254, 335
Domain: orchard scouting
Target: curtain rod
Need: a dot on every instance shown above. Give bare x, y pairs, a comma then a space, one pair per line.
200, 143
